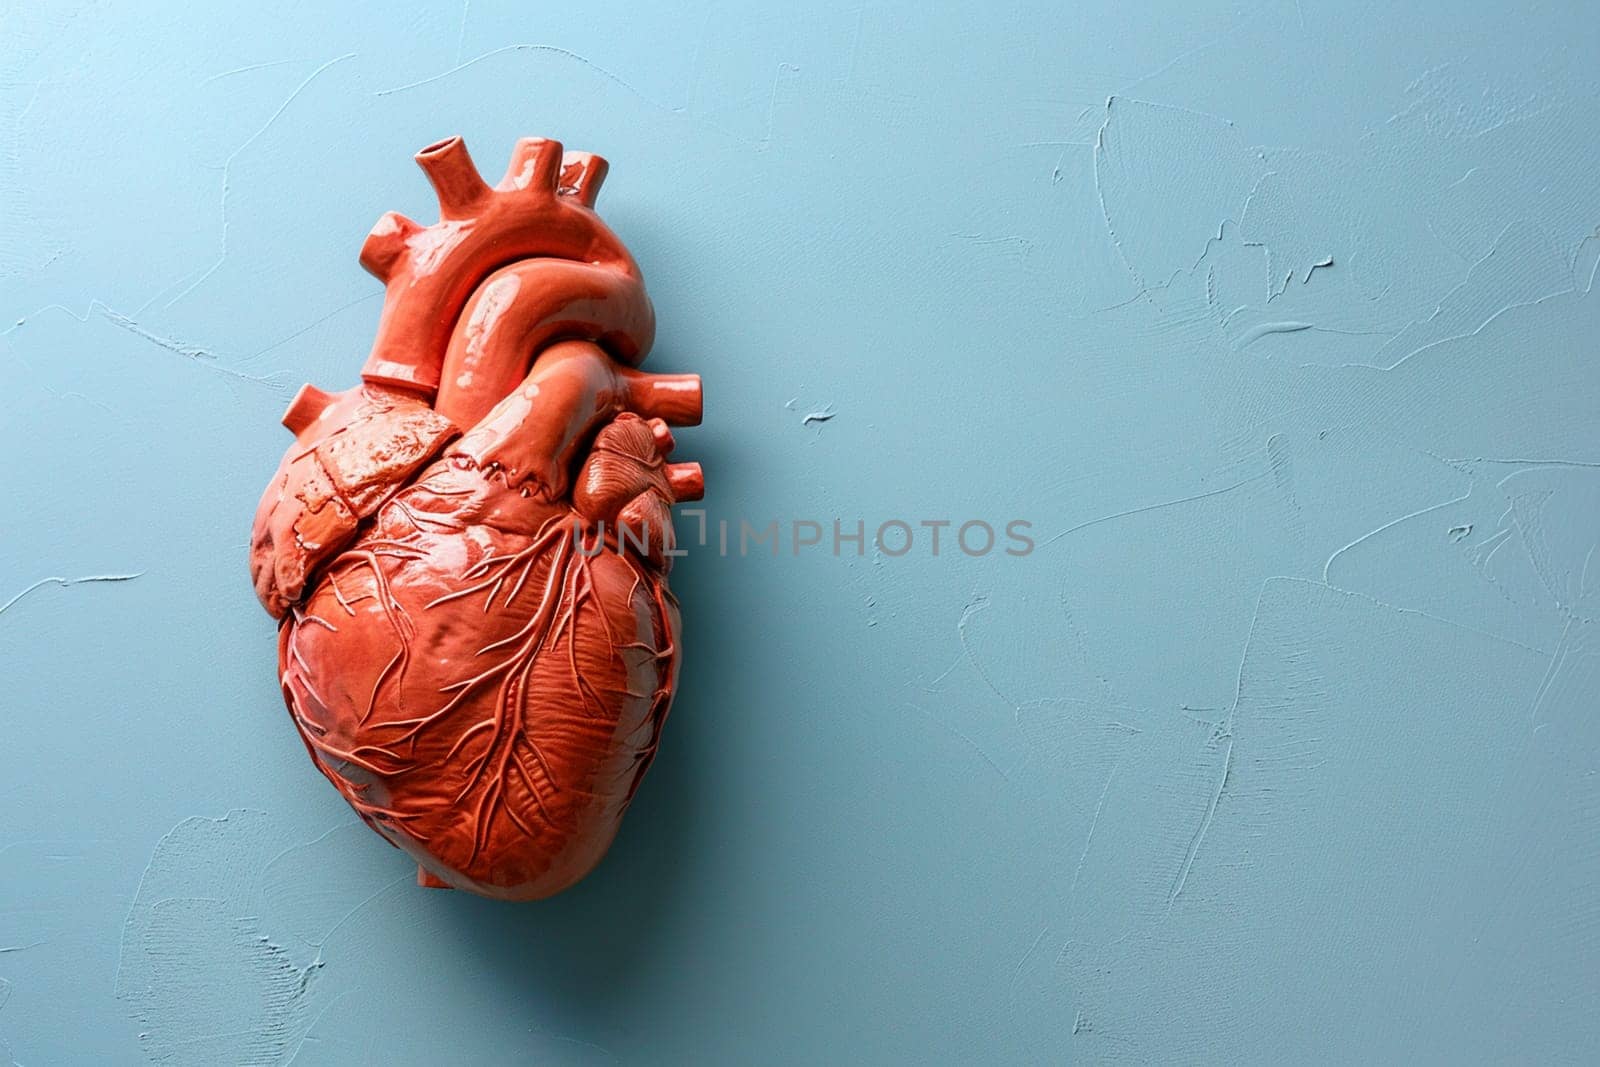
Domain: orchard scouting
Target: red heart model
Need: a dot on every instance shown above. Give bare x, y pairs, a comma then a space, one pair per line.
467, 552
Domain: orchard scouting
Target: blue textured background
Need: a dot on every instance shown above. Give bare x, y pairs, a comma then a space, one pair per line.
1278, 322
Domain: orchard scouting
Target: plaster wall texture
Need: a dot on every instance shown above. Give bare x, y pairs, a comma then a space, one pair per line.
1277, 321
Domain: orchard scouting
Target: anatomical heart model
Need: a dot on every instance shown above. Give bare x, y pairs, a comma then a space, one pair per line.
468, 551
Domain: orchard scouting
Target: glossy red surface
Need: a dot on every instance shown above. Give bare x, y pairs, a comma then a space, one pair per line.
468, 551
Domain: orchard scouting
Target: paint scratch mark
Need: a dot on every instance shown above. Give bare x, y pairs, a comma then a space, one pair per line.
1155, 507
784, 70
374, 895
933, 686
1488, 322
980, 603
1223, 732
1328, 566
227, 171
1511, 461
1093, 822
1321, 264
1189, 53
313, 324
197, 353
1016, 976
1558, 659
1397, 609
64, 582
1266, 329
295, 1055
1001, 771
5, 995
772, 101
578, 1041
547, 49
461, 33
171, 344
1211, 811
21, 948
247, 70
